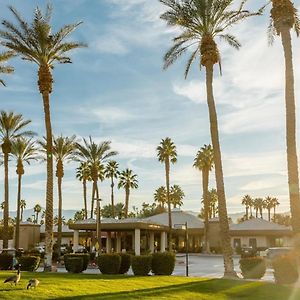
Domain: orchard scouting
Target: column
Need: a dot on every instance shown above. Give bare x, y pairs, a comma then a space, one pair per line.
118, 242
137, 241
75, 240
151, 242
162, 241
108, 242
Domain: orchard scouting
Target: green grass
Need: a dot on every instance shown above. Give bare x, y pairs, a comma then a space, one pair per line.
83, 286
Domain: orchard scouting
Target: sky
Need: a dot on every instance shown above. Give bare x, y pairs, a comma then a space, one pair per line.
117, 90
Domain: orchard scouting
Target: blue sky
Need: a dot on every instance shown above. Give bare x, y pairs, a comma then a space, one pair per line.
116, 90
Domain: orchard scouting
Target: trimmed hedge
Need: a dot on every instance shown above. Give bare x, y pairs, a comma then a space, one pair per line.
29, 263
75, 264
125, 263
85, 257
163, 263
285, 269
109, 263
6, 261
253, 267
141, 265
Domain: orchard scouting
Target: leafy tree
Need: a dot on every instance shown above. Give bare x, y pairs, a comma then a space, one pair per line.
167, 154
4, 69
79, 215
36, 42
282, 219
149, 210
200, 23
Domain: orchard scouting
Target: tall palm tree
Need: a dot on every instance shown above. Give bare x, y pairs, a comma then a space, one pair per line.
176, 195
22, 207
258, 204
283, 19
268, 204
83, 173
275, 203
160, 196
12, 126
167, 154
212, 197
111, 171
247, 201
4, 69
35, 42
127, 180
204, 162
200, 22
37, 209
24, 150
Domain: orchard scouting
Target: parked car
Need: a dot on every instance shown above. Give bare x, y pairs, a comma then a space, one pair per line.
248, 252
277, 251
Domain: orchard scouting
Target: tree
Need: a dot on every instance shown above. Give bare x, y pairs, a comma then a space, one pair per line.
248, 202
79, 215
167, 154
111, 172
283, 19
268, 204
200, 22
24, 150
160, 196
22, 207
282, 219
37, 209
83, 173
258, 205
275, 203
4, 69
127, 180
176, 195
37, 43
12, 126
204, 162
212, 197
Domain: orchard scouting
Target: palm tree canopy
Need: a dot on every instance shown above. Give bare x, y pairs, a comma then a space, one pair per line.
111, 169
176, 195
22, 203
200, 22
167, 151
247, 200
268, 202
128, 180
160, 195
24, 150
35, 42
64, 147
37, 208
83, 172
204, 159
4, 69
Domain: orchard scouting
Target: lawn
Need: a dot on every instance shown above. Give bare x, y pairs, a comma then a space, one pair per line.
84, 286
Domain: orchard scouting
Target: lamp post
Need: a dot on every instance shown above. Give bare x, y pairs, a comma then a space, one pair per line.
184, 226
98, 225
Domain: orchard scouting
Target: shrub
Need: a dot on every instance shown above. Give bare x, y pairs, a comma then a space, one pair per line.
253, 267
141, 265
109, 263
85, 257
125, 263
92, 256
285, 269
75, 264
6, 261
29, 263
163, 263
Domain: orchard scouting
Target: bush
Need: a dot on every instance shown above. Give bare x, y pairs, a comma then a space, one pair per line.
285, 269
29, 263
109, 263
253, 267
163, 263
75, 264
6, 261
141, 265
85, 257
125, 263
92, 256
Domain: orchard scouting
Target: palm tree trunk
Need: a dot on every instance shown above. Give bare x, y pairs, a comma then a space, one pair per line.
99, 237
93, 197
112, 197
256, 212
59, 224
205, 177
22, 214
127, 193
84, 198
6, 210
247, 214
223, 218
269, 214
167, 167
292, 160
17, 235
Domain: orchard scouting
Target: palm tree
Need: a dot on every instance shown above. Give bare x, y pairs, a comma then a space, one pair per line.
4, 69
35, 42
12, 126
37, 209
275, 203
258, 204
200, 23
176, 195
24, 150
204, 162
22, 207
166, 153
283, 19
268, 204
83, 173
212, 197
2, 206
127, 180
247, 201
160, 196
111, 171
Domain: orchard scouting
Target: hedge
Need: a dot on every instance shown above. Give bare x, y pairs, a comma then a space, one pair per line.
163, 263
141, 265
109, 263
125, 263
285, 269
85, 257
75, 264
29, 263
6, 261
253, 267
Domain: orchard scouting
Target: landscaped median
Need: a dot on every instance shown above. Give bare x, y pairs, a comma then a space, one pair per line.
115, 287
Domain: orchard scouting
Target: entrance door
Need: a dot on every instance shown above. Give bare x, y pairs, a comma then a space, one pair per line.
253, 243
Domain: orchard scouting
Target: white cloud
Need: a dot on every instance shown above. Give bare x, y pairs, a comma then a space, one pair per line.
109, 44
265, 184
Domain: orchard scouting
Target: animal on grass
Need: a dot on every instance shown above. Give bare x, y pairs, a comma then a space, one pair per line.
32, 283
14, 279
